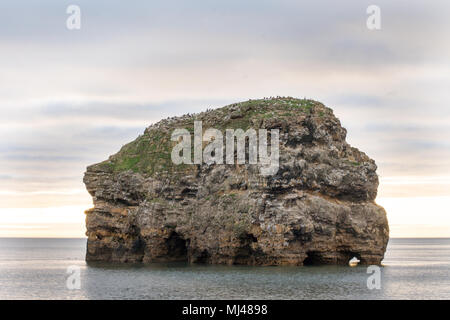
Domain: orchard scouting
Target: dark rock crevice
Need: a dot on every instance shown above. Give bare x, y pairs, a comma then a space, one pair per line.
176, 248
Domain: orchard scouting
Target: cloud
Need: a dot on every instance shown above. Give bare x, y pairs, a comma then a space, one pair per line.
72, 98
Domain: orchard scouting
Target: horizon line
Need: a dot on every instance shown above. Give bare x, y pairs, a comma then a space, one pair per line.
86, 238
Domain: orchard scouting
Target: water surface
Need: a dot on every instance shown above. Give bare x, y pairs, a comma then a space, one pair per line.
37, 269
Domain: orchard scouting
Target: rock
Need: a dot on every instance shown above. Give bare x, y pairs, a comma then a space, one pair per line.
317, 209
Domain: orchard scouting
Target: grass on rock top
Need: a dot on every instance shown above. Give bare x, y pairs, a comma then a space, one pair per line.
150, 153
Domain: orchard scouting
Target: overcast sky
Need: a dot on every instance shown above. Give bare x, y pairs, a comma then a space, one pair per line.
70, 98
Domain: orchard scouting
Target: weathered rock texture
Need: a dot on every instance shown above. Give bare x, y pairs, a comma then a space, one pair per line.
317, 209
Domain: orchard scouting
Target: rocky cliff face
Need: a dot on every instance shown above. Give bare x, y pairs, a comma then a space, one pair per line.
317, 209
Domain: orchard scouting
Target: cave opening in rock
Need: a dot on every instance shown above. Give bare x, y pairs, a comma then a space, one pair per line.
312, 258
176, 247
138, 246
245, 253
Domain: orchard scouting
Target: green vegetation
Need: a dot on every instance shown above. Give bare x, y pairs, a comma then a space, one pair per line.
354, 163
150, 153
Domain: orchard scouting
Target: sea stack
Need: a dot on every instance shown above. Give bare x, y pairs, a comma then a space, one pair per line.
317, 208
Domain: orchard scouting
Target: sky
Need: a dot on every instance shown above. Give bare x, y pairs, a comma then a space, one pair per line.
71, 98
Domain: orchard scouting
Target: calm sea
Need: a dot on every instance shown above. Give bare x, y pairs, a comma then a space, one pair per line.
38, 269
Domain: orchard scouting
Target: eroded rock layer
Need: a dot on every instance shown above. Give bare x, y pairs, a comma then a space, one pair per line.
317, 209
